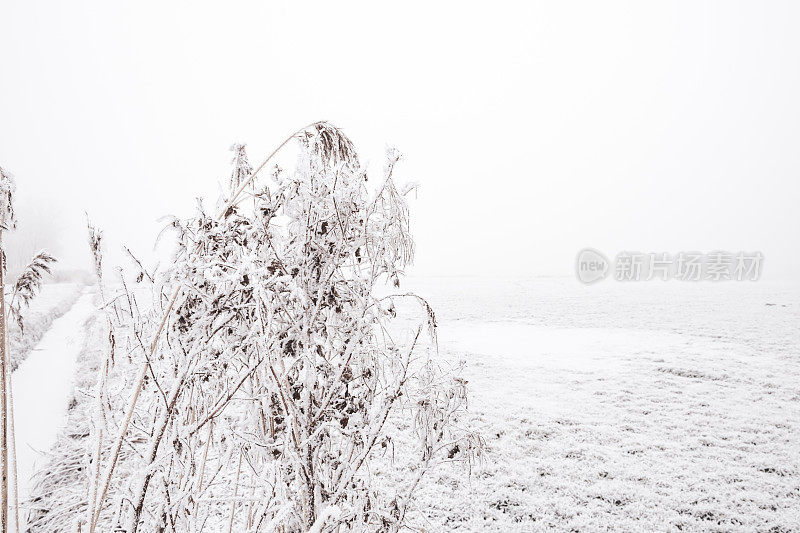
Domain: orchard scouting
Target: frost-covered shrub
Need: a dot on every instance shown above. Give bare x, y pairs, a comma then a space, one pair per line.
252, 391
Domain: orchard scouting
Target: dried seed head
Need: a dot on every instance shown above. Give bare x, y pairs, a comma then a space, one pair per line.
330, 144
29, 283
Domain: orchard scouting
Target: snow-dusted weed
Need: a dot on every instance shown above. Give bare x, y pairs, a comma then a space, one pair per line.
249, 385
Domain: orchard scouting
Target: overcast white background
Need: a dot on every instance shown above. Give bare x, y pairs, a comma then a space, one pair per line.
535, 129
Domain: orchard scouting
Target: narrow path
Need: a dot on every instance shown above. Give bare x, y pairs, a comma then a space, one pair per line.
42, 386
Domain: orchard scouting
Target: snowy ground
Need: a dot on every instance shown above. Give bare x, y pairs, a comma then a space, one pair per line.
53, 301
625, 407
43, 385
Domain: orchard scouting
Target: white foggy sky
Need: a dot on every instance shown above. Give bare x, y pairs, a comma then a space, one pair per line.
535, 129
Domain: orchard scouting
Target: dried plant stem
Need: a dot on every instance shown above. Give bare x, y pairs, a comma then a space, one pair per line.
95, 479
3, 392
252, 502
235, 492
199, 488
13, 453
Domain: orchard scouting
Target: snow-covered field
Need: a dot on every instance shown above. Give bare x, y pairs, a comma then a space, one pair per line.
625, 407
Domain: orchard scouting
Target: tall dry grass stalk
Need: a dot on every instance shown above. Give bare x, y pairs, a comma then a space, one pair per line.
6, 221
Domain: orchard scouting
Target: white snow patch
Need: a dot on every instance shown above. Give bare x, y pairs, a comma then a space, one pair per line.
627, 408
529, 346
42, 387
54, 300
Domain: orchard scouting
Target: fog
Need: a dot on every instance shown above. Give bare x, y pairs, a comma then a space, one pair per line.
534, 128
